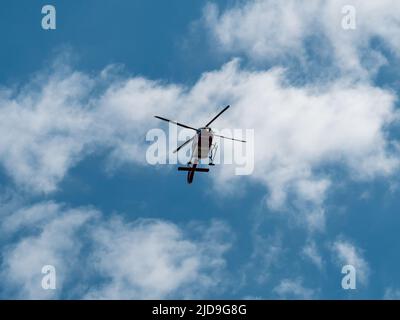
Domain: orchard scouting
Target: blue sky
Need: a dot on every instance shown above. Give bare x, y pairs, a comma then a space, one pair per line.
77, 102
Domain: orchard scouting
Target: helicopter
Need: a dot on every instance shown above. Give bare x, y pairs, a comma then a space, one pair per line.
202, 145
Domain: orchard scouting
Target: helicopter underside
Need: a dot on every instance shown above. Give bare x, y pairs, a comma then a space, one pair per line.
201, 149
202, 146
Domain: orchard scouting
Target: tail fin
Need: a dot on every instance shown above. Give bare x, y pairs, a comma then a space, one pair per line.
190, 174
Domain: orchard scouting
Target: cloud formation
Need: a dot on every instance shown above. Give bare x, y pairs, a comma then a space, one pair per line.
310, 251
49, 125
347, 253
108, 258
293, 289
156, 259
268, 30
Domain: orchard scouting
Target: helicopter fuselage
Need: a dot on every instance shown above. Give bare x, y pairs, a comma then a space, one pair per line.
201, 144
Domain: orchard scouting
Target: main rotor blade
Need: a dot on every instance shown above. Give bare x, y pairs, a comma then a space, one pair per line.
229, 138
177, 123
184, 144
217, 116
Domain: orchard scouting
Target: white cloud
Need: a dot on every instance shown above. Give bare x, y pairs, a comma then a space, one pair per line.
43, 129
152, 259
56, 243
36, 216
47, 128
99, 257
265, 259
293, 289
268, 30
392, 294
325, 121
53, 122
57, 119
347, 253
299, 130
310, 251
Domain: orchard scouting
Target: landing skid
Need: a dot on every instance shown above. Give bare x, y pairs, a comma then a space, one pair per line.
191, 171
